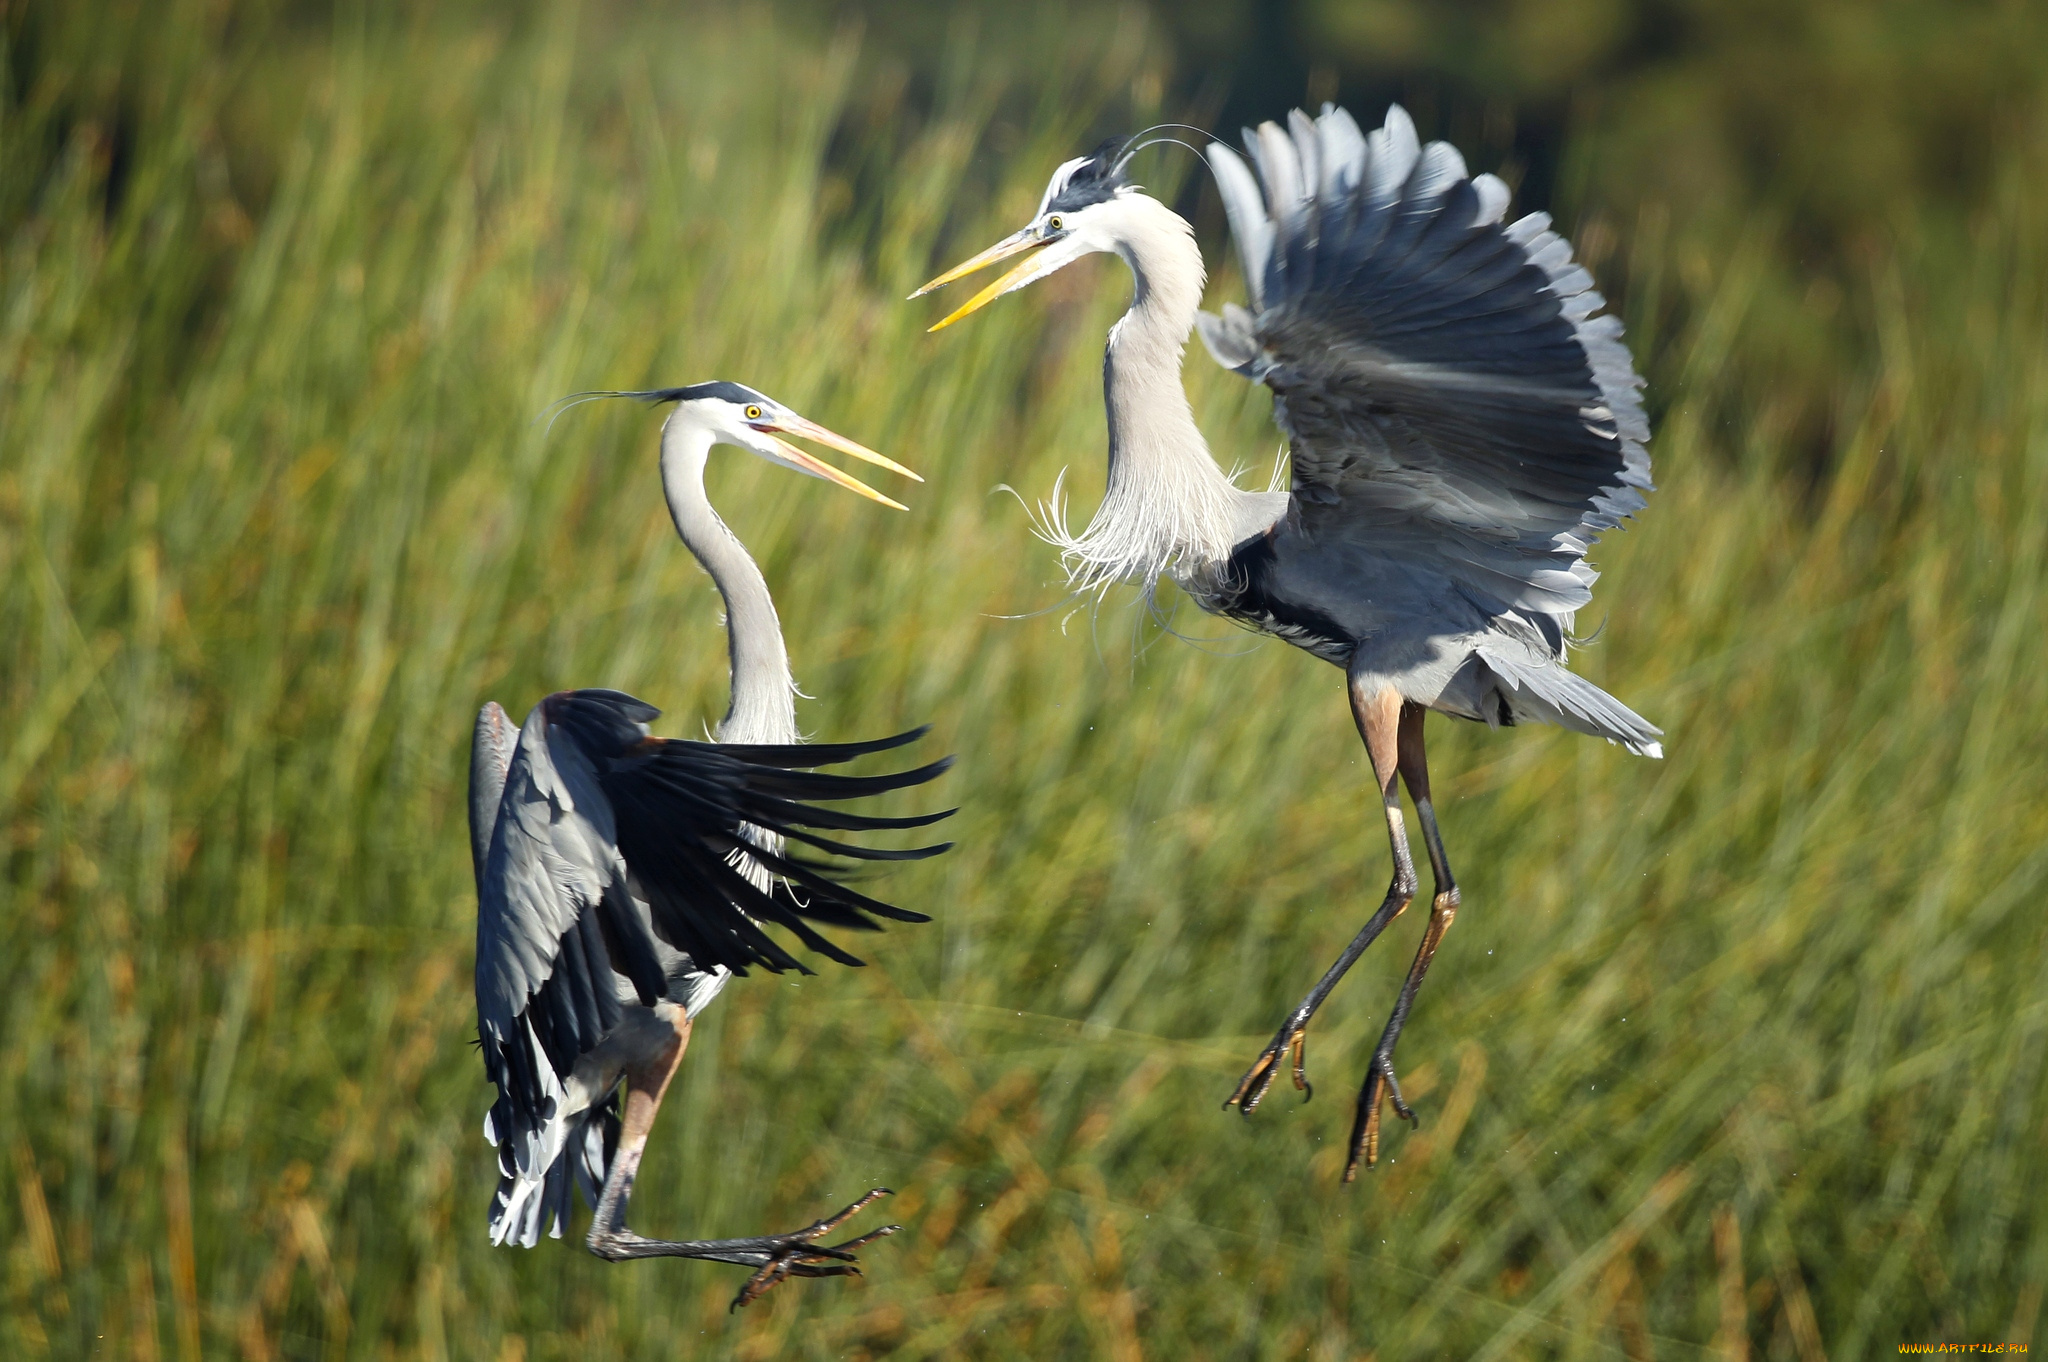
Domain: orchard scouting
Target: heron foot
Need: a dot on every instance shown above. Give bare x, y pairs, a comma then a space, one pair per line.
1251, 1089
773, 1257
801, 1255
1380, 1085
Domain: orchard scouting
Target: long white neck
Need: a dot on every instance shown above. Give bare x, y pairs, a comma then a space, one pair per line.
763, 706
1167, 509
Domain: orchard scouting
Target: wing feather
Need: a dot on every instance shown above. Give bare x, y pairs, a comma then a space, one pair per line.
1432, 361
550, 893
1343, 154
587, 812
1250, 227
697, 895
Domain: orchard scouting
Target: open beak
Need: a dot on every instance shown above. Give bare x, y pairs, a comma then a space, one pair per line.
811, 430
1029, 271
818, 468
1008, 246
805, 462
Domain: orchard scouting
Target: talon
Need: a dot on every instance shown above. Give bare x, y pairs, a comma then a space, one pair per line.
1251, 1101
800, 1255
1252, 1088
758, 1285
1244, 1098
821, 1228
867, 1238
1380, 1086
1365, 1132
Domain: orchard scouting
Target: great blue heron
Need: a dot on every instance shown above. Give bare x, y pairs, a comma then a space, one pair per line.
622, 879
1462, 426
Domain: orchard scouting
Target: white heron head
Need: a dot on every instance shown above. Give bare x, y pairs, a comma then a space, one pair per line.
734, 414
1079, 214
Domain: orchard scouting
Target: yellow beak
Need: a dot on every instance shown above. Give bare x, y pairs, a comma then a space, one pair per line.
811, 430
816, 467
1026, 272
1008, 246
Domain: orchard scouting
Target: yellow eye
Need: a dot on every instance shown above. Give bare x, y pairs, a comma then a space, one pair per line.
1055, 223
753, 413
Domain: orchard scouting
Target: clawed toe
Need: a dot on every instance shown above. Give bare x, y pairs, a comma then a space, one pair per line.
1252, 1088
800, 1255
1380, 1086
1383, 1069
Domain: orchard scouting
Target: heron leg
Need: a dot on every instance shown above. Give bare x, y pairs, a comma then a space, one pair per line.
1377, 711
1380, 1083
774, 1257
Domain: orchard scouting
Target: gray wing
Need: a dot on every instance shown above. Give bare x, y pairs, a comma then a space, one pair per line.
555, 931
1431, 365
490, 758
596, 813
552, 876
592, 812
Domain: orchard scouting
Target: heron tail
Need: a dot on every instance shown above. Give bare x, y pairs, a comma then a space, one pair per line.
1546, 693
526, 1205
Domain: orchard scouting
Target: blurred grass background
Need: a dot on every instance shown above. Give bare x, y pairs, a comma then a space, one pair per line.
1736, 1055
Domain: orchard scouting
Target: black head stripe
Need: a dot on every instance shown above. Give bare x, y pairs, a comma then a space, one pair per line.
1095, 180
737, 393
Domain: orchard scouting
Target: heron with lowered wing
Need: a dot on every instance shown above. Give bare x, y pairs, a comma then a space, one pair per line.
623, 879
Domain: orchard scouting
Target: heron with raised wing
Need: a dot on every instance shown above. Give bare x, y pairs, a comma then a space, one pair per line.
622, 879
1463, 422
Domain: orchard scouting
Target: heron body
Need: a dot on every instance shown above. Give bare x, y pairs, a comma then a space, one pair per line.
1462, 426
623, 879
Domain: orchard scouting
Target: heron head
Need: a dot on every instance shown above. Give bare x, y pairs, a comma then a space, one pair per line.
735, 414
1076, 217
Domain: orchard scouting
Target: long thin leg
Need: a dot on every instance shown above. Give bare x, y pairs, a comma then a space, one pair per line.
646, 1084
775, 1256
1377, 711
1379, 1080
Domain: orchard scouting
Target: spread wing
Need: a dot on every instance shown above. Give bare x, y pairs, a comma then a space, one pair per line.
595, 814
702, 900
1432, 366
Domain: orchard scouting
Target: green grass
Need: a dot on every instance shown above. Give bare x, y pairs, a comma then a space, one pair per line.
1748, 1040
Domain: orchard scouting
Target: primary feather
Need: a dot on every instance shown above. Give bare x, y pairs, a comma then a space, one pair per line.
1428, 362
1463, 422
